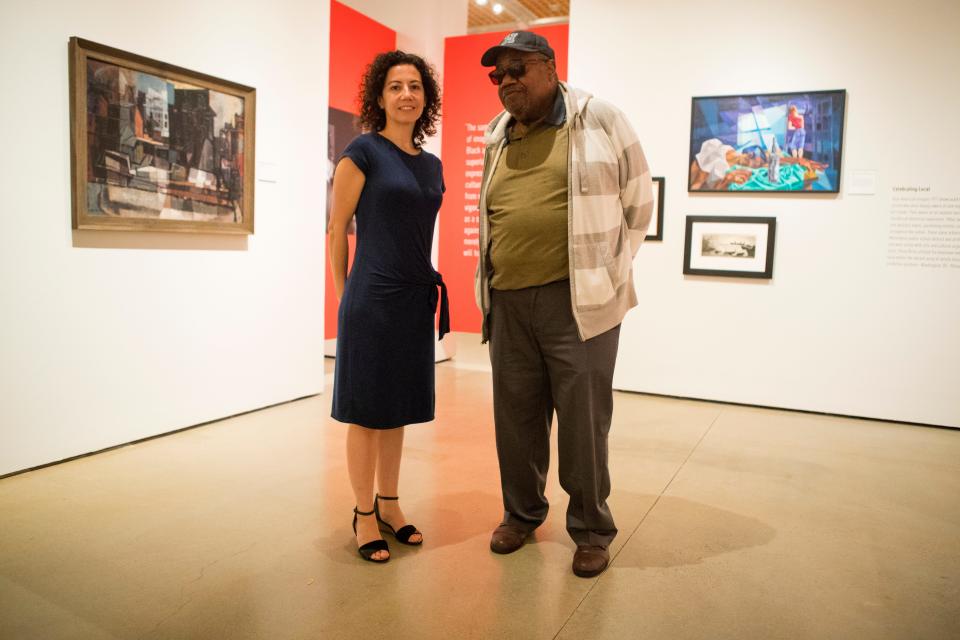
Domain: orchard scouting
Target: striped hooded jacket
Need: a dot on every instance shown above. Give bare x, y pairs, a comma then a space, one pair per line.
610, 203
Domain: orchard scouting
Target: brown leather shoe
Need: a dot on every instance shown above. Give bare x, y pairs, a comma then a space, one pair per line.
590, 560
507, 539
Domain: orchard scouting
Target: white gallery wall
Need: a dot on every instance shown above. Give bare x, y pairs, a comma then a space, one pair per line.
108, 337
839, 328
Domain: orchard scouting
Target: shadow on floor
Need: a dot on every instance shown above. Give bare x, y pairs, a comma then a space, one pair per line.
680, 532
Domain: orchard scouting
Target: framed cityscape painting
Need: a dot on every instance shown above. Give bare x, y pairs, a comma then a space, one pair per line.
732, 246
655, 230
771, 142
155, 147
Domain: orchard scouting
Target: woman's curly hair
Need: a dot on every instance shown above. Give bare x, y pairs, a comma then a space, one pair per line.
374, 118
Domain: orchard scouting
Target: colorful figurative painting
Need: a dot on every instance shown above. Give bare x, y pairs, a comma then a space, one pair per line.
158, 147
784, 142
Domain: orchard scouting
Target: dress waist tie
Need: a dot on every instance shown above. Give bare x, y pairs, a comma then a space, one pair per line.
444, 327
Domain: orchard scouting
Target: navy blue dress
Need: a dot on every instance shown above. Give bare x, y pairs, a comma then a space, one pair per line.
384, 376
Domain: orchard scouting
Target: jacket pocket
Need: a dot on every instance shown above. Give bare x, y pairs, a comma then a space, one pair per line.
594, 271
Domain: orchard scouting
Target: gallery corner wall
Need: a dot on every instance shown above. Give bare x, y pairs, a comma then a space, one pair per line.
109, 337
845, 325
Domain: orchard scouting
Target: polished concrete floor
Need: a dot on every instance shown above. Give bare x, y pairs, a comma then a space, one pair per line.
734, 523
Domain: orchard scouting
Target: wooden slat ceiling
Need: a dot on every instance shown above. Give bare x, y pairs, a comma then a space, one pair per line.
515, 12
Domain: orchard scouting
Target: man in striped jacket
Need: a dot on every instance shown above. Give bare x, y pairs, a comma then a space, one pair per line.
565, 202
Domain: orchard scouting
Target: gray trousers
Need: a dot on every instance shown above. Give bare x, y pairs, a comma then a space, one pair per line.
540, 365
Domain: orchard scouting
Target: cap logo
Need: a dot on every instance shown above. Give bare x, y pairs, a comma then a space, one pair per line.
510, 39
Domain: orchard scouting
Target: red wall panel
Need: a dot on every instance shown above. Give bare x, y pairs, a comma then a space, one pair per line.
355, 40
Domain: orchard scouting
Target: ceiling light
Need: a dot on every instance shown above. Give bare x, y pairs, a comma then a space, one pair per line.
481, 3
497, 8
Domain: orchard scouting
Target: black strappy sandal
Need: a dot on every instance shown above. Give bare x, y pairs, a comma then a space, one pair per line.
366, 551
406, 531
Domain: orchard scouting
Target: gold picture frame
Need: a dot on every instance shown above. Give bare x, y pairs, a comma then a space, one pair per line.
156, 147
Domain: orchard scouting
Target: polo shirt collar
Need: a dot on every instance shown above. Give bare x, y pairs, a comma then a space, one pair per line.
556, 118
558, 115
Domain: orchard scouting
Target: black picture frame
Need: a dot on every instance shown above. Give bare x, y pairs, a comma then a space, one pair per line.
720, 123
729, 253
656, 224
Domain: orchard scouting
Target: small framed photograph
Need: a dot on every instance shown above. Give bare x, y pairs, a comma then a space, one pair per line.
155, 147
655, 230
732, 246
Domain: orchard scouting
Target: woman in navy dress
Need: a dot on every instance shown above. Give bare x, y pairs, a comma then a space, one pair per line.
384, 377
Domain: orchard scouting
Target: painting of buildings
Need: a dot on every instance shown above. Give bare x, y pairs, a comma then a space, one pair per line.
159, 148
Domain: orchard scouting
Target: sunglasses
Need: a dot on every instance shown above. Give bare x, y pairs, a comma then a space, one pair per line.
515, 70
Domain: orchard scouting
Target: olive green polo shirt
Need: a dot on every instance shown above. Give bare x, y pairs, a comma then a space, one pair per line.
527, 206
